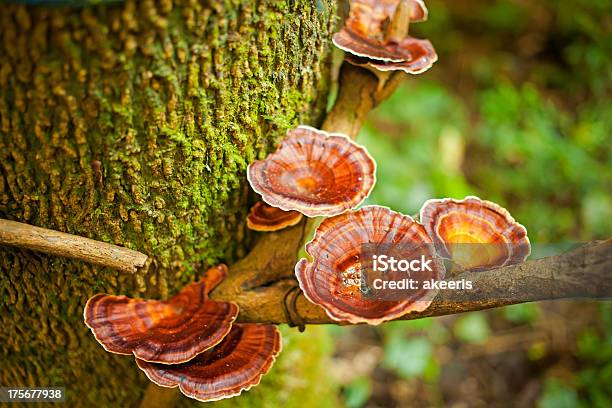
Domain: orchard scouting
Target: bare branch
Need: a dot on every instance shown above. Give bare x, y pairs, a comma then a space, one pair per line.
359, 92
70, 246
585, 272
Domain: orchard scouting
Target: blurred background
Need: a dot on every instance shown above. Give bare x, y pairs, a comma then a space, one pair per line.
517, 110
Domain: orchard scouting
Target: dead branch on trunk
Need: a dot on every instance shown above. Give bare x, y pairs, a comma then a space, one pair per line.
583, 273
70, 246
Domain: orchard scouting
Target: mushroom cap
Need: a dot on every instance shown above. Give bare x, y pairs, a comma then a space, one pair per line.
366, 47
419, 11
419, 56
315, 173
166, 332
335, 277
476, 234
264, 217
370, 18
364, 38
234, 365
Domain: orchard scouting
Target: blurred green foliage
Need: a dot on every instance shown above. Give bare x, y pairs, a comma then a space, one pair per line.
472, 328
409, 348
521, 313
558, 395
595, 353
521, 116
409, 357
299, 378
357, 392
517, 110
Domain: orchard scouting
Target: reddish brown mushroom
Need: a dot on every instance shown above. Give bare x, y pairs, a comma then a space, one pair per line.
337, 278
376, 36
167, 332
315, 173
234, 365
418, 11
264, 217
421, 53
372, 18
474, 233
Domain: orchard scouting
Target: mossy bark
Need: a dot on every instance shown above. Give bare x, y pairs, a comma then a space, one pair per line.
133, 124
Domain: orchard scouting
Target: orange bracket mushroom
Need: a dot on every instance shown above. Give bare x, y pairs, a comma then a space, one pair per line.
335, 278
375, 36
166, 332
474, 233
264, 217
315, 173
234, 365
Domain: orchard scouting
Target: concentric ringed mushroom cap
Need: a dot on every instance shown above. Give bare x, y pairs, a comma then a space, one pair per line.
236, 364
375, 36
419, 11
419, 56
371, 18
315, 173
264, 217
334, 279
475, 233
166, 332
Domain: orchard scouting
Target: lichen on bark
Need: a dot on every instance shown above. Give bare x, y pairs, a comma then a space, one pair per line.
133, 124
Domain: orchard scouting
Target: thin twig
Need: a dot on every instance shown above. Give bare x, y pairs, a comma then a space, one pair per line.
71, 246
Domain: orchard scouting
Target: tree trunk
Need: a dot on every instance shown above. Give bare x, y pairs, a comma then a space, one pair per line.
133, 124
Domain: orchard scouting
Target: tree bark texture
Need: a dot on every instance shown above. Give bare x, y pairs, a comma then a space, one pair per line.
133, 124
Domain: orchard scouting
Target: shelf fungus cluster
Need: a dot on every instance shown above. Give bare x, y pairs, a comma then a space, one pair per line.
314, 173
375, 36
188, 341
320, 174
474, 233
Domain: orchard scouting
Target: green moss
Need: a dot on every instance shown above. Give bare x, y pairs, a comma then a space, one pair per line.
173, 99
295, 378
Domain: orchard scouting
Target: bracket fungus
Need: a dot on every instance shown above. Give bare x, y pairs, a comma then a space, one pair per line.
264, 217
234, 365
375, 36
315, 173
336, 278
474, 233
166, 332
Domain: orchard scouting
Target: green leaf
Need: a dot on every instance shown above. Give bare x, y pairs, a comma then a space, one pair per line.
472, 328
357, 392
558, 395
408, 358
522, 313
